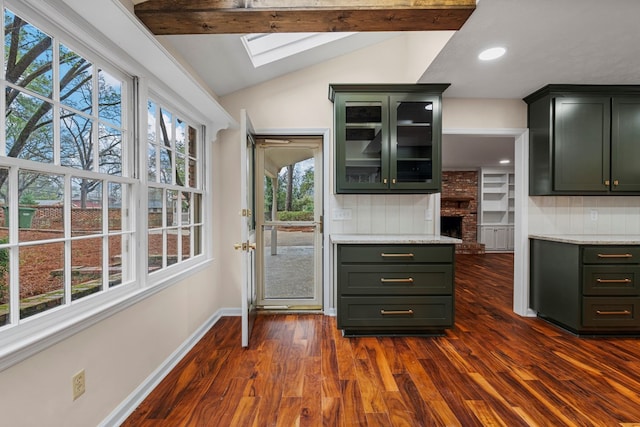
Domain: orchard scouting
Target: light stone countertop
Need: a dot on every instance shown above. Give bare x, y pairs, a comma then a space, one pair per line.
392, 239
593, 239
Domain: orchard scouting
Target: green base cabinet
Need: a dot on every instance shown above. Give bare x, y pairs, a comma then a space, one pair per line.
387, 138
587, 289
583, 140
395, 289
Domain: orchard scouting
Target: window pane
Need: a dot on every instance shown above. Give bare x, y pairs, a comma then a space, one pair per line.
4, 280
86, 207
109, 98
155, 250
172, 246
76, 149
166, 128
110, 158
155, 208
185, 218
165, 166
152, 162
41, 278
40, 214
151, 122
29, 128
4, 201
115, 260
186, 242
86, 267
172, 208
114, 196
180, 171
193, 177
181, 136
76, 85
28, 56
197, 240
192, 142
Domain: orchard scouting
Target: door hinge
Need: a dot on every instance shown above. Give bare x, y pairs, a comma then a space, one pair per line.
245, 213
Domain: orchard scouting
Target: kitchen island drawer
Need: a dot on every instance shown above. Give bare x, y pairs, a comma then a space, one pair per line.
396, 313
613, 254
611, 280
430, 279
611, 312
399, 254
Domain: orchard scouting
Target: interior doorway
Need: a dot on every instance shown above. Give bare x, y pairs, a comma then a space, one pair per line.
289, 222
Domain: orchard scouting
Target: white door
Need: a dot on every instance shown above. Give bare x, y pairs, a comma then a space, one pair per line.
247, 220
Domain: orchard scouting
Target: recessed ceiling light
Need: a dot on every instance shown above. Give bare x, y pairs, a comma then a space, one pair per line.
492, 53
505, 161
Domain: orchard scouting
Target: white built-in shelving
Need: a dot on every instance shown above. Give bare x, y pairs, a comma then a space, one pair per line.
497, 204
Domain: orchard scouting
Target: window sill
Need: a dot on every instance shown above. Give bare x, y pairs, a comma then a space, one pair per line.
43, 331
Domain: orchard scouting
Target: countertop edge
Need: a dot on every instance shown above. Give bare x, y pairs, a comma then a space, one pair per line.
392, 239
585, 239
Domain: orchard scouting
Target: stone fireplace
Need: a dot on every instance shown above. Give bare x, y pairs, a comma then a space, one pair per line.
459, 210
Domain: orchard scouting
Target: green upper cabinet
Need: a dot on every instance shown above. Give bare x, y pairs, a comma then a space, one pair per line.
388, 138
584, 140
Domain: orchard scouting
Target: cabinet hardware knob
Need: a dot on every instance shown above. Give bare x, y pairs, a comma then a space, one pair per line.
407, 280
611, 313
616, 182
615, 256
385, 255
393, 181
606, 182
395, 312
384, 181
613, 280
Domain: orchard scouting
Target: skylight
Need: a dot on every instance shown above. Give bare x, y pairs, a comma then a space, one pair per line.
271, 47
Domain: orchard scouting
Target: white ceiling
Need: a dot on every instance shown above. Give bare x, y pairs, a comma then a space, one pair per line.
547, 41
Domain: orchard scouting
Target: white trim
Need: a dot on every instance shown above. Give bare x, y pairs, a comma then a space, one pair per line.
127, 406
521, 248
327, 265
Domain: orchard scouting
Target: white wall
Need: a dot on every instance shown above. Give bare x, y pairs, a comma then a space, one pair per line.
117, 355
300, 100
584, 215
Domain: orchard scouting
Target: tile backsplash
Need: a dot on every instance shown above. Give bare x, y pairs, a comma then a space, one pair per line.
383, 214
584, 215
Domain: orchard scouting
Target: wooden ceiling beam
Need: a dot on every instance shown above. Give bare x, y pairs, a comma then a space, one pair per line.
171, 17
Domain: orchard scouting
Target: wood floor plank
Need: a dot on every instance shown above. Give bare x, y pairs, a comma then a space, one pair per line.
492, 368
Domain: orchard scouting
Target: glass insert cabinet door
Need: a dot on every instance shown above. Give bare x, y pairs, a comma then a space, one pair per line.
414, 153
363, 142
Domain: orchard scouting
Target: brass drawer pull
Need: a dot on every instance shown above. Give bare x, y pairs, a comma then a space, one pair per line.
615, 256
407, 280
606, 313
407, 255
395, 312
613, 280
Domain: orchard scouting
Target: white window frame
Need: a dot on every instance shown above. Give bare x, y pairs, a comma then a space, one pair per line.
18, 342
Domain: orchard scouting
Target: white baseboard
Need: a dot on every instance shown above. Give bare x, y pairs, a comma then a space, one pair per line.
126, 408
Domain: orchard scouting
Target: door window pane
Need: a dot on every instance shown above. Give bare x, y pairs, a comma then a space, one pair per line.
288, 262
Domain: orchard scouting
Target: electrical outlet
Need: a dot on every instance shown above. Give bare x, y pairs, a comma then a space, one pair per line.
77, 384
594, 215
341, 214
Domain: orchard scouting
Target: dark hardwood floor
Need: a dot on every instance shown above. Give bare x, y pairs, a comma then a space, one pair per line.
493, 369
